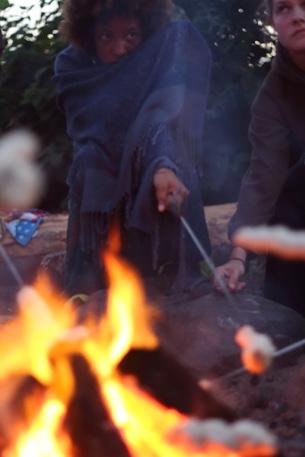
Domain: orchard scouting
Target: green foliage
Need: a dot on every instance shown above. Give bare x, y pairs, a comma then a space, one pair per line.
27, 96
4, 4
233, 29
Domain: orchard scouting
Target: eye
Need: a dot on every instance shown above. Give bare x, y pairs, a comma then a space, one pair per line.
282, 8
133, 35
104, 36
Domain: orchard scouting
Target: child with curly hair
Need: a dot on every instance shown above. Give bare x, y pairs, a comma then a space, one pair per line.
133, 85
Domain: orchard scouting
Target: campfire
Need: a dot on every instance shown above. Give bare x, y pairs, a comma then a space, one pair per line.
104, 387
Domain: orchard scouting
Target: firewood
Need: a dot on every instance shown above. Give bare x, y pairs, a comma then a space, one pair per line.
87, 420
21, 398
163, 377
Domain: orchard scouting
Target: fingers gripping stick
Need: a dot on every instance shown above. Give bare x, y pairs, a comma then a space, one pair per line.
174, 207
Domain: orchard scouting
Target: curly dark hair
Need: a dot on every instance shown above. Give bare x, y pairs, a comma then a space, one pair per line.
79, 16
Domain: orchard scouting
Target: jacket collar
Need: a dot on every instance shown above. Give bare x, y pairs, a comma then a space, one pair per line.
284, 65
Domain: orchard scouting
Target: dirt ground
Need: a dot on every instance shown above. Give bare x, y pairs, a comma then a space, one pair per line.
277, 400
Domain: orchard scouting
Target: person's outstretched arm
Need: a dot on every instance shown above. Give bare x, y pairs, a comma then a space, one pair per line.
263, 182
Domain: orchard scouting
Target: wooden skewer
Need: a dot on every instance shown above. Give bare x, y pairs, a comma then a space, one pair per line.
10, 265
285, 350
174, 208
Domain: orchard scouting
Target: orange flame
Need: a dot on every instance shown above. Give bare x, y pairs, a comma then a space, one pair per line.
114, 240
42, 439
127, 321
26, 341
45, 333
142, 421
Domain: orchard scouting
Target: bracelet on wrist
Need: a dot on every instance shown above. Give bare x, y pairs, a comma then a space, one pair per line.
240, 260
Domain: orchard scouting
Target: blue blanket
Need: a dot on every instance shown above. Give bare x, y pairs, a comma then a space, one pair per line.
129, 118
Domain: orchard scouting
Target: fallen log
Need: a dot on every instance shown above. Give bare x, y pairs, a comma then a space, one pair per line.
165, 379
50, 239
217, 217
51, 236
47, 248
87, 419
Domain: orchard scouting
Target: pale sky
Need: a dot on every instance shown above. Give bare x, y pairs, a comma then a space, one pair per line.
34, 15
16, 11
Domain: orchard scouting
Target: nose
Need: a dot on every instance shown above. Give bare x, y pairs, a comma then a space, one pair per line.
120, 48
299, 14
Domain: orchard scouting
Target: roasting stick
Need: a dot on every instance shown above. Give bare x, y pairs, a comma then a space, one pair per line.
174, 208
10, 265
285, 350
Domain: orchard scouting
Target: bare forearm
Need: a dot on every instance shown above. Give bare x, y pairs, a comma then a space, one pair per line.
238, 253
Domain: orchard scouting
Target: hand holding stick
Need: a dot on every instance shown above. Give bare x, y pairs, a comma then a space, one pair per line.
168, 187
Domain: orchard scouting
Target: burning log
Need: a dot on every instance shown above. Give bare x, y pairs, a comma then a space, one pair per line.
21, 398
159, 374
87, 420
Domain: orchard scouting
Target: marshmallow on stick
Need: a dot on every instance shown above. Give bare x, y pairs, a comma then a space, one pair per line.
21, 179
216, 437
257, 349
277, 240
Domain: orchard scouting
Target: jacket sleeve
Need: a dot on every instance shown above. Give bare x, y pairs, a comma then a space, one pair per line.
268, 169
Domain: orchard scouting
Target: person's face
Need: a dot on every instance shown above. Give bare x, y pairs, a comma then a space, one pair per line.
288, 19
117, 37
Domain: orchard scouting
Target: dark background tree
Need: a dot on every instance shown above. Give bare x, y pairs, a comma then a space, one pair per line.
233, 29
27, 95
